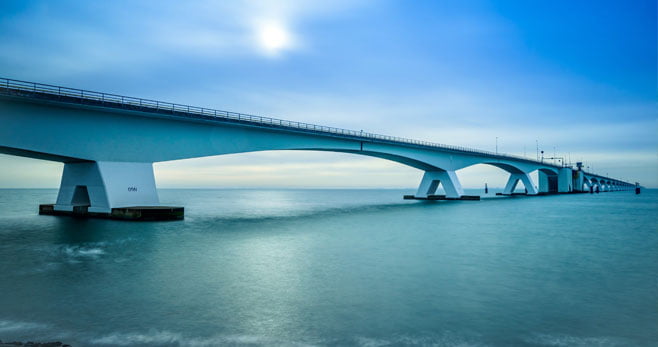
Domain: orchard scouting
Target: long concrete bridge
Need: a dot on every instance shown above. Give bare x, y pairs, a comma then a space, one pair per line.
108, 144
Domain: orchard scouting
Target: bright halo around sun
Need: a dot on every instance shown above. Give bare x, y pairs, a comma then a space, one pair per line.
274, 38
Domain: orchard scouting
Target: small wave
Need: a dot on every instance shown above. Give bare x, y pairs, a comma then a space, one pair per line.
89, 250
370, 342
446, 340
78, 254
52, 257
160, 338
566, 340
86, 250
155, 337
45, 268
7, 326
81, 251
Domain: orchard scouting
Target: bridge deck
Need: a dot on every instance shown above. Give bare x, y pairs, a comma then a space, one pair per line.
45, 92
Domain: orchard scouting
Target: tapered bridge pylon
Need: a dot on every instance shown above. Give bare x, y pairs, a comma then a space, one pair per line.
513, 181
447, 179
103, 185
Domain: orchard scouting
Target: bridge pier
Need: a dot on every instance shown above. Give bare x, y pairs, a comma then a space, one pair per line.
562, 182
547, 182
513, 181
578, 181
122, 190
432, 179
565, 180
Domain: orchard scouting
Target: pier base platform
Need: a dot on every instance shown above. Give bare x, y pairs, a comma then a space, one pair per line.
134, 213
562, 193
441, 197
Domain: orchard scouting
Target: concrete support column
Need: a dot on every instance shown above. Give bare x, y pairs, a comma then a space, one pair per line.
578, 181
514, 179
447, 179
103, 186
543, 181
565, 180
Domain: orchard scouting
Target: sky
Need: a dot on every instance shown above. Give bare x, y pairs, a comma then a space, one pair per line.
578, 79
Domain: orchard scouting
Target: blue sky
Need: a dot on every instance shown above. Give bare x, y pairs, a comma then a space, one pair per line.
578, 77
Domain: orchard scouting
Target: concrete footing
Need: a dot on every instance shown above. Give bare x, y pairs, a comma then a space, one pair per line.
134, 213
541, 193
563, 193
441, 197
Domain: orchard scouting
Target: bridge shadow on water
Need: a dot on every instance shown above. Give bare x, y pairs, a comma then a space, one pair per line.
79, 230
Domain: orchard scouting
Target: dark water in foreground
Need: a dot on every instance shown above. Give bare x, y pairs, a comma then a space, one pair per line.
335, 267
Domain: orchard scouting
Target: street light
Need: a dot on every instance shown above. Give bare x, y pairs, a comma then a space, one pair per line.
496, 145
537, 144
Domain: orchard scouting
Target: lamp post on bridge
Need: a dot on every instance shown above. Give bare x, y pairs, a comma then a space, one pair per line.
537, 144
496, 145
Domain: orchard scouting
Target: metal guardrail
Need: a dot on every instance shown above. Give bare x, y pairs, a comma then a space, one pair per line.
11, 87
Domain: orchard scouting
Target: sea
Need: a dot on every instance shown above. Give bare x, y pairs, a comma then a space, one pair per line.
309, 267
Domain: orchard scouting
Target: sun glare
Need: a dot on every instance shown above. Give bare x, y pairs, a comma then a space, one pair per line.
273, 38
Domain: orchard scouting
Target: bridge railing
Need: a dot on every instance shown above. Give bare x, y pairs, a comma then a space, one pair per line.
40, 90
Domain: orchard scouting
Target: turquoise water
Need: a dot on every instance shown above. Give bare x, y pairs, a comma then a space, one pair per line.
336, 267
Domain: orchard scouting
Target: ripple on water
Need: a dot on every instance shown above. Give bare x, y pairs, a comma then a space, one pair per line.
577, 341
164, 337
11, 326
53, 257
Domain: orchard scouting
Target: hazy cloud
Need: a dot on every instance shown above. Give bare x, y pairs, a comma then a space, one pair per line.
454, 73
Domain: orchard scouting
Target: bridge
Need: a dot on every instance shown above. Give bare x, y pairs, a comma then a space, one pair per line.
108, 144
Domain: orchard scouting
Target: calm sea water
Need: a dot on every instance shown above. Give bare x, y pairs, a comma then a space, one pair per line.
335, 267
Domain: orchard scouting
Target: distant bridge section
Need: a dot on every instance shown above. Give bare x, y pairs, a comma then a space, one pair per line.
109, 142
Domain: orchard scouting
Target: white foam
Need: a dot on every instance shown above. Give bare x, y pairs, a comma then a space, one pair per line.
158, 337
90, 252
566, 340
7, 326
370, 342
446, 340
154, 337
82, 251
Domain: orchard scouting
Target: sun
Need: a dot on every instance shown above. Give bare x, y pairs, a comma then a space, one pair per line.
273, 38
